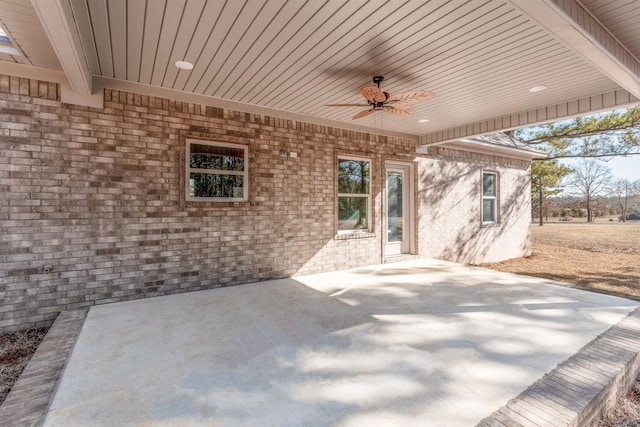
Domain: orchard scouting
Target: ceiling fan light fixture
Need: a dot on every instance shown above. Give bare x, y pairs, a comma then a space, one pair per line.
537, 88
184, 65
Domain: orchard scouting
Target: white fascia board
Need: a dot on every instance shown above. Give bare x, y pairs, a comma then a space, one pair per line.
56, 17
67, 94
591, 40
482, 147
100, 83
31, 72
593, 104
160, 92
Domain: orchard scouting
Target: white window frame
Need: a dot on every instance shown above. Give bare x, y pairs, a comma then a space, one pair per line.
368, 195
494, 199
244, 173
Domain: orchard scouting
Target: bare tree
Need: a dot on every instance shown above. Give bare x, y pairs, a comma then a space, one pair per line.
621, 190
590, 179
634, 199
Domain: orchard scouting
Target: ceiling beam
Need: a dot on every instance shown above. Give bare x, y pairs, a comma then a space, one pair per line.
56, 17
67, 95
547, 114
573, 24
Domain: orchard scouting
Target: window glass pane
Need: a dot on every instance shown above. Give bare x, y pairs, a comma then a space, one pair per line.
489, 184
212, 185
215, 157
488, 210
352, 213
353, 176
394, 207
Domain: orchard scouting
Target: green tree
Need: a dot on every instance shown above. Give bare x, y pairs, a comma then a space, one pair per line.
601, 135
215, 184
546, 176
353, 190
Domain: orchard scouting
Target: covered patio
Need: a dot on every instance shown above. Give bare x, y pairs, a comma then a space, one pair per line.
422, 342
109, 112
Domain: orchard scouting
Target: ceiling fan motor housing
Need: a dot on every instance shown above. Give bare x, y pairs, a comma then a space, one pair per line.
378, 100
379, 104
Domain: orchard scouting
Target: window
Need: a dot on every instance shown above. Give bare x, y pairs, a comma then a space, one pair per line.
6, 46
3, 36
489, 197
354, 176
216, 171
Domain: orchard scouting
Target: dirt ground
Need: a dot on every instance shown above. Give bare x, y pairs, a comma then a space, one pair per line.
15, 351
603, 257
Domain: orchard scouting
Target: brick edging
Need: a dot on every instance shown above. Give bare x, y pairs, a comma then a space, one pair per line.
582, 389
29, 399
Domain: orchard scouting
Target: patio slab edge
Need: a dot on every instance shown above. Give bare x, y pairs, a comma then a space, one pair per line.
29, 399
583, 388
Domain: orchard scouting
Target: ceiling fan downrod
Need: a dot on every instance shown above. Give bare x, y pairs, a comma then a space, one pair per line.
378, 105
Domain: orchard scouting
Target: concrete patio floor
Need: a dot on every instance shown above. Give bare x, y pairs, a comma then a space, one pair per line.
422, 342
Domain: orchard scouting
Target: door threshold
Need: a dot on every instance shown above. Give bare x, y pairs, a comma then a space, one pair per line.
399, 258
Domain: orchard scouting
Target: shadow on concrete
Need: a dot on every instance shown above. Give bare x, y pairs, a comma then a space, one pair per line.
422, 343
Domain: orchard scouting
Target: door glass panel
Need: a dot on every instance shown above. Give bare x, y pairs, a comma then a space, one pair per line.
394, 207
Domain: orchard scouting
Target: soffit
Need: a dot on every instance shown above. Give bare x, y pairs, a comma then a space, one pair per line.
479, 57
622, 17
21, 23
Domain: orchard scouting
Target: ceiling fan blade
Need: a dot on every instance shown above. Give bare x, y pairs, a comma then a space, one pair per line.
363, 113
373, 94
411, 97
346, 105
399, 109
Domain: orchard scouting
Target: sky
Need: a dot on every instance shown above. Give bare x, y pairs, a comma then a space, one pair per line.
621, 167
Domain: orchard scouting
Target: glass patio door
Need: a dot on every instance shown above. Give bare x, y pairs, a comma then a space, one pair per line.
398, 213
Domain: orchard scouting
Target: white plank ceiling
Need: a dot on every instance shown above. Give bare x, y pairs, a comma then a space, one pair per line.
622, 17
480, 57
20, 22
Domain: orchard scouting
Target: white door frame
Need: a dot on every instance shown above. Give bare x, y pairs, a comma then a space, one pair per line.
408, 210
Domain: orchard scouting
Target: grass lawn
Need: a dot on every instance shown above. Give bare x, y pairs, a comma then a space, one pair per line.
603, 257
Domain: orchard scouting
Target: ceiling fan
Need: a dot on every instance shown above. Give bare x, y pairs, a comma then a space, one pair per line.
399, 104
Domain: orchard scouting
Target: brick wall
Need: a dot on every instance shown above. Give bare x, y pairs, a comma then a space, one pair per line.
98, 195
450, 194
